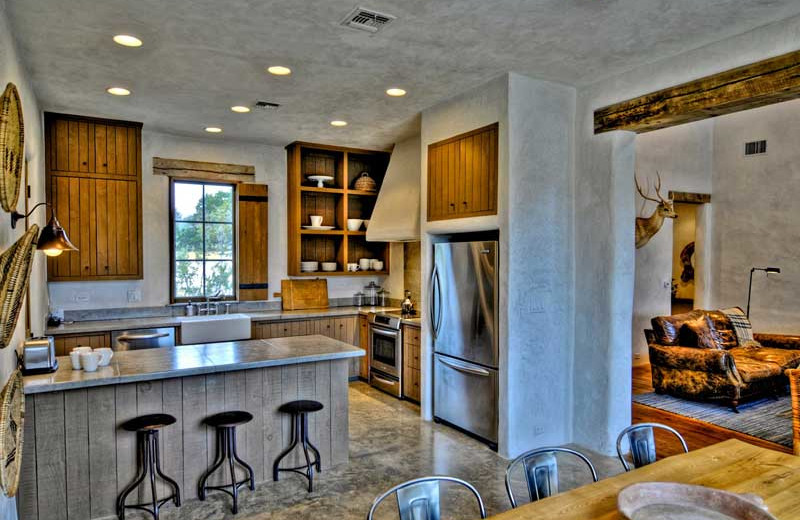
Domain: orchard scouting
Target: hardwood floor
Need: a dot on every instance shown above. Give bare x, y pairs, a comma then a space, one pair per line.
697, 434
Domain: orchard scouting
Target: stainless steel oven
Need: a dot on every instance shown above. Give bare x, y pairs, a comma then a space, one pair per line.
386, 353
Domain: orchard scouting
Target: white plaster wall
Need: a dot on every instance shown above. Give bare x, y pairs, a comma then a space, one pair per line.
604, 212
683, 156
757, 215
12, 70
270, 164
540, 283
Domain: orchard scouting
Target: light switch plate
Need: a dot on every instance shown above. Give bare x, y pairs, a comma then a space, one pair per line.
134, 295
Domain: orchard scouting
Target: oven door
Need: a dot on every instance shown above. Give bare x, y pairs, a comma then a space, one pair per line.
386, 350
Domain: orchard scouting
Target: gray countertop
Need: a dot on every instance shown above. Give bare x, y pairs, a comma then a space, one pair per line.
189, 360
84, 327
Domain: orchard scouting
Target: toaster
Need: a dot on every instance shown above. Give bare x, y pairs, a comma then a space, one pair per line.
39, 356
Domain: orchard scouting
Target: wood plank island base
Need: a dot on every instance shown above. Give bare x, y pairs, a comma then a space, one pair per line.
76, 459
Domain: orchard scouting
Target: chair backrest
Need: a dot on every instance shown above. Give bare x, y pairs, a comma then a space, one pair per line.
794, 382
541, 472
642, 443
418, 499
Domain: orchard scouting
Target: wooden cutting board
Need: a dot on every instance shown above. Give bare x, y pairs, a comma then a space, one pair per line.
304, 294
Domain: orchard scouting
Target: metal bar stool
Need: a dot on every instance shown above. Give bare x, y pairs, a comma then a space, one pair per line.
642, 444
541, 472
419, 498
299, 411
225, 424
148, 461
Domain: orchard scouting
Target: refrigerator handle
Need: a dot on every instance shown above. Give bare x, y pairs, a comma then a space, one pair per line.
432, 300
438, 303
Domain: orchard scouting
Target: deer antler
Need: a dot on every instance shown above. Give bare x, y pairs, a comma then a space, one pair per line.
643, 194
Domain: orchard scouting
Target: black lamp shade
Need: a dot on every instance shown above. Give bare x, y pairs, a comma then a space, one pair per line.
53, 239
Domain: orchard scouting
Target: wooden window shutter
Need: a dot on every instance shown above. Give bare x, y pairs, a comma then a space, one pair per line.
253, 277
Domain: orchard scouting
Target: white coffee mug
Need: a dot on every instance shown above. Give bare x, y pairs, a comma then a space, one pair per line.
105, 355
316, 220
352, 267
82, 349
363, 264
90, 361
75, 359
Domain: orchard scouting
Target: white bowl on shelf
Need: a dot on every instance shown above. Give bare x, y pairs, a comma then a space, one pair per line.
354, 224
308, 267
329, 267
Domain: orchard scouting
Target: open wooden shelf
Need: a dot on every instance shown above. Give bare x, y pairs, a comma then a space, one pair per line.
335, 204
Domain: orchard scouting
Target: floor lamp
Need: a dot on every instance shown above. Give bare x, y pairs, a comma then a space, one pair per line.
769, 271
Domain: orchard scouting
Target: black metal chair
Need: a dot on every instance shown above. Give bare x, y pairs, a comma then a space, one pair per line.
299, 411
541, 472
225, 424
642, 444
148, 462
419, 498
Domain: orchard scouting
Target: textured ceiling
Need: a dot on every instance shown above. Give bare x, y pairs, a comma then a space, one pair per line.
202, 56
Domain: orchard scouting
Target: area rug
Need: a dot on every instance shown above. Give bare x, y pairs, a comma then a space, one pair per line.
764, 418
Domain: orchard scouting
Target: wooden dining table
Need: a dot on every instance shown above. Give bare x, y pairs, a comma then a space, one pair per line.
732, 465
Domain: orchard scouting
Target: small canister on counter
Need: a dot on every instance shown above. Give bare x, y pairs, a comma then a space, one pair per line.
383, 298
358, 299
371, 295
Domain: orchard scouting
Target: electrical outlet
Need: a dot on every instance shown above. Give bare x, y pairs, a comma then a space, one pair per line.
667, 284
134, 295
81, 297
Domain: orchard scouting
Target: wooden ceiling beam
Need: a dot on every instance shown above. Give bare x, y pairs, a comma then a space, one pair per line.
759, 84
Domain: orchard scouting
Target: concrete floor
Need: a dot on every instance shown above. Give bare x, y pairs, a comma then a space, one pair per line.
389, 444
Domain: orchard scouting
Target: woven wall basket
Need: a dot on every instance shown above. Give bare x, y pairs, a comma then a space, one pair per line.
12, 146
12, 416
15, 273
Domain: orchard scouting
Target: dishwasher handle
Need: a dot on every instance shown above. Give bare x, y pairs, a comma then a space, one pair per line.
133, 337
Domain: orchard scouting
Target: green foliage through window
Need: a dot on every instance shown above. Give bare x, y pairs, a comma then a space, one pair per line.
203, 231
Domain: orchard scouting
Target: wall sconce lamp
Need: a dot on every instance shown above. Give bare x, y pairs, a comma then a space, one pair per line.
769, 271
53, 239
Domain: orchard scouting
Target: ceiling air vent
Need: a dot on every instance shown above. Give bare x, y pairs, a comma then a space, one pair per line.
367, 20
755, 147
266, 105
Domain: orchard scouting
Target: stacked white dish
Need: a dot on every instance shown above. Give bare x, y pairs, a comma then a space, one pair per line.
308, 267
329, 267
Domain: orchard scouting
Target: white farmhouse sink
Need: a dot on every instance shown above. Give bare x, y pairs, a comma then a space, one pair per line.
211, 329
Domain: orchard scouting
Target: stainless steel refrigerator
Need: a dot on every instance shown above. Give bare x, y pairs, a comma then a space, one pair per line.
463, 314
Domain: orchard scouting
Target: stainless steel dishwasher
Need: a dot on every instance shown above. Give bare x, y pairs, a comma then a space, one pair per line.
143, 338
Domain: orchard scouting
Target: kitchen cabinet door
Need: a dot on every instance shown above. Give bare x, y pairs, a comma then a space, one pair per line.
462, 175
363, 337
411, 362
95, 146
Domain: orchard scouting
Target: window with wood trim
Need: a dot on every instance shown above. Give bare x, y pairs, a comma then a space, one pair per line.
203, 247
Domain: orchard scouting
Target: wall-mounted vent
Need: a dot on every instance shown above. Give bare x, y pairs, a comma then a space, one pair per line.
755, 147
266, 105
367, 20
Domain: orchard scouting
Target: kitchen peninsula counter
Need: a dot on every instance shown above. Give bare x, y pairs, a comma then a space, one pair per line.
76, 459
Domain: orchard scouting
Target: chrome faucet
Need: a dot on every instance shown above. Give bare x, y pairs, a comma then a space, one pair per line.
207, 310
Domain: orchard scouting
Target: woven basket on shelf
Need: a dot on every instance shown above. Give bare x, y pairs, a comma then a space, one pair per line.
12, 416
15, 273
12, 144
365, 182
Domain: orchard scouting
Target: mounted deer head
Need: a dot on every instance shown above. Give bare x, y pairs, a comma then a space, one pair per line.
647, 227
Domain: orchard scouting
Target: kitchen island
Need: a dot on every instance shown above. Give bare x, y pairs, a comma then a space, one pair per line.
76, 459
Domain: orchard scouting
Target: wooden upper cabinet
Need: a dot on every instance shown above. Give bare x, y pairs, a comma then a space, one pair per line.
94, 178
462, 175
85, 145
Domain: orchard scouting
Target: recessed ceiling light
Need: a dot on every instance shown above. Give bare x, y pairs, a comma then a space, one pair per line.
338, 122
279, 70
241, 109
213, 129
396, 92
127, 40
118, 91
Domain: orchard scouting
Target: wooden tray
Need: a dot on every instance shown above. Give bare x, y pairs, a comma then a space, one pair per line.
304, 294
673, 501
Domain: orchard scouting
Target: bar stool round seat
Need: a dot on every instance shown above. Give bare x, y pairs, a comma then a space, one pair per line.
301, 406
299, 411
229, 419
153, 421
148, 462
225, 424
